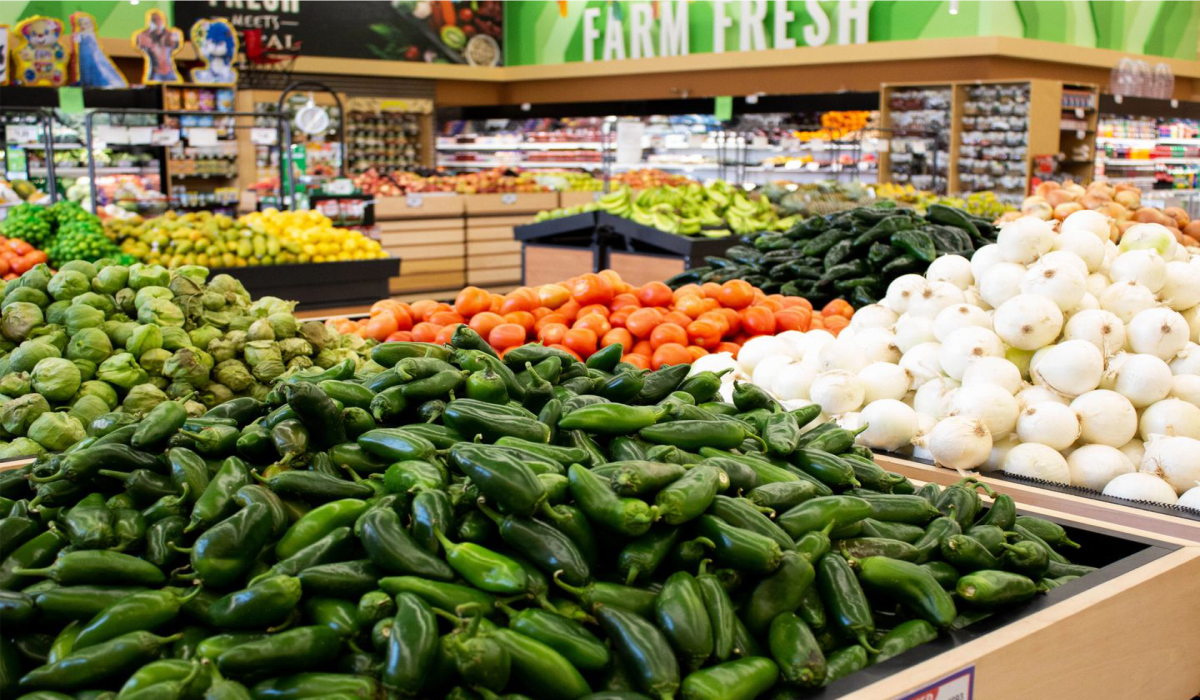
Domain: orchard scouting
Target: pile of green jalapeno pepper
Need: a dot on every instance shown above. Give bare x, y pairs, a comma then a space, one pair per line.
852, 254
466, 526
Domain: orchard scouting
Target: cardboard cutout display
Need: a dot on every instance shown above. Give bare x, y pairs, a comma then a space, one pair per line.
160, 43
90, 66
3, 54
216, 44
40, 52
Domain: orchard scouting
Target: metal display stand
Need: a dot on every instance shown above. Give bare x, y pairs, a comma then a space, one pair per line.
89, 127
45, 117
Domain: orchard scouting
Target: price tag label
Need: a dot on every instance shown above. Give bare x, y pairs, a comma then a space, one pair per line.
112, 134
1079, 112
263, 136
414, 201
202, 136
508, 198
140, 135
21, 133
164, 137
958, 686
341, 186
917, 146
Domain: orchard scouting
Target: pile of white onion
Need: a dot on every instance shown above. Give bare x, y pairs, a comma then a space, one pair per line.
1052, 354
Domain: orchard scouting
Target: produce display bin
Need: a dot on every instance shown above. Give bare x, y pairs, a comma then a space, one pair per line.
639, 253
1171, 521
1129, 630
319, 285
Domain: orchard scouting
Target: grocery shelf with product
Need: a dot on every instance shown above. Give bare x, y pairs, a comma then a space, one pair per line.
600, 351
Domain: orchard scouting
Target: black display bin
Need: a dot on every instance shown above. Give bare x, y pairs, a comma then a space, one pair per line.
320, 285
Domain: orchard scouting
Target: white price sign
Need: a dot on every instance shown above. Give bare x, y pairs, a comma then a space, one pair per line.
202, 136
112, 134
958, 686
264, 136
141, 135
164, 137
21, 133
414, 201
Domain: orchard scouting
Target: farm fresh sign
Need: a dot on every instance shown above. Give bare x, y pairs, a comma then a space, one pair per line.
605, 36
568, 31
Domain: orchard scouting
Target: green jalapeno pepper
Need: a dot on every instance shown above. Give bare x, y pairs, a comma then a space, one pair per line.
794, 647
644, 649
441, 595
470, 418
325, 550
904, 636
293, 651
641, 557
690, 495
160, 423
740, 548
91, 666
501, 477
741, 679
538, 667
935, 533
818, 512
1002, 513
628, 516
892, 531
911, 586
345, 579
611, 418
682, 616
264, 603
781, 592
546, 547
845, 599
89, 524
226, 550
146, 610
79, 602
1027, 558
86, 566
991, 589
741, 512
967, 554
860, 547
658, 384
431, 510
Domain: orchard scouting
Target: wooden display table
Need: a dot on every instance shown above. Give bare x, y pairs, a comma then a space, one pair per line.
428, 233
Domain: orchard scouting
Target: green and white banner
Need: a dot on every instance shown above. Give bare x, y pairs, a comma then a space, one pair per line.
568, 31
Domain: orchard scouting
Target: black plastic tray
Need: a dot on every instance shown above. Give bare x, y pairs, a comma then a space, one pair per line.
1113, 553
320, 285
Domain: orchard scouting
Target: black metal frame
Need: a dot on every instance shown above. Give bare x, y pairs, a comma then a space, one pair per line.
89, 127
46, 118
310, 85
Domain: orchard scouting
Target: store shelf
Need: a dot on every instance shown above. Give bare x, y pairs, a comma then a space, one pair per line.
533, 146
58, 146
1147, 142
521, 164
78, 172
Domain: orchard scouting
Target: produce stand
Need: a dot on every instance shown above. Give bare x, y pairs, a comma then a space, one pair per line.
319, 285
1178, 524
594, 241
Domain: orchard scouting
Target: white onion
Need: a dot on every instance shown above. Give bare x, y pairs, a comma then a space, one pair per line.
992, 370
1086, 302
717, 362
1135, 449
983, 259
1190, 498
903, 290
935, 396
883, 380
1096, 283
1035, 461
1087, 248
1093, 466
1061, 283
1033, 395
1098, 327
1186, 387
1171, 417
1056, 258
760, 348
1001, 282
1146, 267
922, 363
843, 354
925, 424
1111, 251
1028, 322
1096, 223
1148, 237
1192, 316
1105, 418
1025, 240
1159, 332
958, 316
966, 344
911, 331
877, 344
814, 341
792, 381
1143, 379
837, 392
890, 424
873, 316
971, 296
954, 269
959, 442
989, 403
1126, 299
849, 421
1071, 368
1175, 459
935, 297
1000, 450
1181, 290
1138, 486
1049, 423
767, 369
795, 343
1020, 359
1187, 361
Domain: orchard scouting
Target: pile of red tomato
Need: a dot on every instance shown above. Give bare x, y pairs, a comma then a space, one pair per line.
656, 325
17, 256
